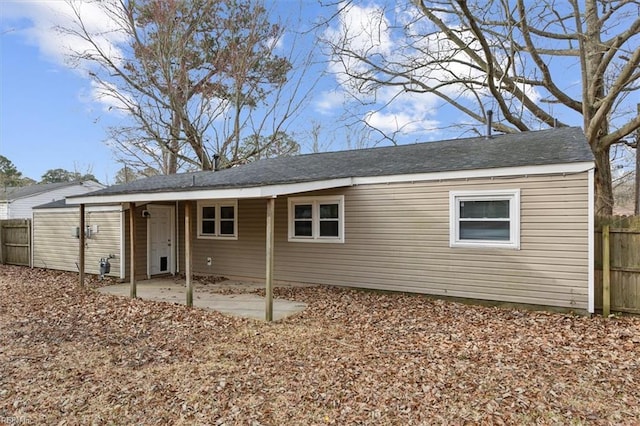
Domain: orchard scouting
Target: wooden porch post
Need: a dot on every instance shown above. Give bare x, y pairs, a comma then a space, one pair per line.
81, 237
132, 250
187, 252
271, 202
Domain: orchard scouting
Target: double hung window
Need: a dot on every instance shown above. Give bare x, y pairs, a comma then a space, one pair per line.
317, 219
485, 218
218, 219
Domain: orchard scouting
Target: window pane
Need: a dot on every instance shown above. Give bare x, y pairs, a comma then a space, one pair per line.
208, 227
226, 227
303, 211
302, 228
208, 212
493, 209
486, 230
329, 228
328, 211
226, 212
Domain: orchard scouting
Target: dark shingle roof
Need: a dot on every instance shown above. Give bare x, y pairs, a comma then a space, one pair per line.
58, 204
553, 146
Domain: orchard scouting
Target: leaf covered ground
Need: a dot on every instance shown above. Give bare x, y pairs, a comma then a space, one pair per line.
74, 356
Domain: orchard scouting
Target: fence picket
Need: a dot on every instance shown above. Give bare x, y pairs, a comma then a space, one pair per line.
15, 242
624, 283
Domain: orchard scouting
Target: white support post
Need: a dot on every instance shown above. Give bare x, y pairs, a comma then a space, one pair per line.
133, 291
81, 246
187, 253
269, 259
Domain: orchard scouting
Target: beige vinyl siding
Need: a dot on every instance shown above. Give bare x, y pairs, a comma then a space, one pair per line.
55, 247
141, 243
180, 235
397, 238
226, 255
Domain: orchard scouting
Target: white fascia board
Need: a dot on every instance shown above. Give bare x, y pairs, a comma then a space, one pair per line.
112, 208
479, 173
267, 191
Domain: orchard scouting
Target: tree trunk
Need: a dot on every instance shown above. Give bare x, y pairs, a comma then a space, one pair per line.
172, 166
593, 91
603, 188
236, 126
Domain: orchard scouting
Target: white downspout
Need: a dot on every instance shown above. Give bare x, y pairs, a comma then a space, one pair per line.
591, 242
177, 235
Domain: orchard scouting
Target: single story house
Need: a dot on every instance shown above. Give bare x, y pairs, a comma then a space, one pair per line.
18, 202
56, 236
504, 218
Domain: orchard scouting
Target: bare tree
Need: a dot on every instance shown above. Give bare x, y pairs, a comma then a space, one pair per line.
521, 59
318, 141
126, 174
256, 147
181, 71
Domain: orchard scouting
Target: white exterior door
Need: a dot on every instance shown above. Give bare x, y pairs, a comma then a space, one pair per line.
160, 239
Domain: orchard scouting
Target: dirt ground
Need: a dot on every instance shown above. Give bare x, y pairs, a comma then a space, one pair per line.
74, 356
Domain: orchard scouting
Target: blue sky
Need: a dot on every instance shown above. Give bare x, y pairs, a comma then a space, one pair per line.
46, 120
51, 118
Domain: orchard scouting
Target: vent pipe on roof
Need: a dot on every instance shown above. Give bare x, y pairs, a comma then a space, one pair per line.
216, 162
489, 123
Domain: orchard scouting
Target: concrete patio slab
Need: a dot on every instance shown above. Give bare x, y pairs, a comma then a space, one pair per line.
208, 296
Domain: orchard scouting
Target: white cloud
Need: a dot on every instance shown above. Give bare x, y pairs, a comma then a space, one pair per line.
400, 39
49, 26
110, 98
364, 28
399, 122
365, 31
45, 19
275, 44
404, 112
330, 101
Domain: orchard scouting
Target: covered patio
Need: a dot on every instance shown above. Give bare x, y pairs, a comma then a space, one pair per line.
161, 190
231, 297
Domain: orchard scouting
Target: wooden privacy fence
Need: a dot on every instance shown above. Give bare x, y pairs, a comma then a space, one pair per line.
617, 287
15, 242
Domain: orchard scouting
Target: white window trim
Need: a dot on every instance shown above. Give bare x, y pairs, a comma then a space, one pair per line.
513, 195
315, 218
218, 205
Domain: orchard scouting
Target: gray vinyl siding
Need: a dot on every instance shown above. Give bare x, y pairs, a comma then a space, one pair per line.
22, 208
55, 247
397, 238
